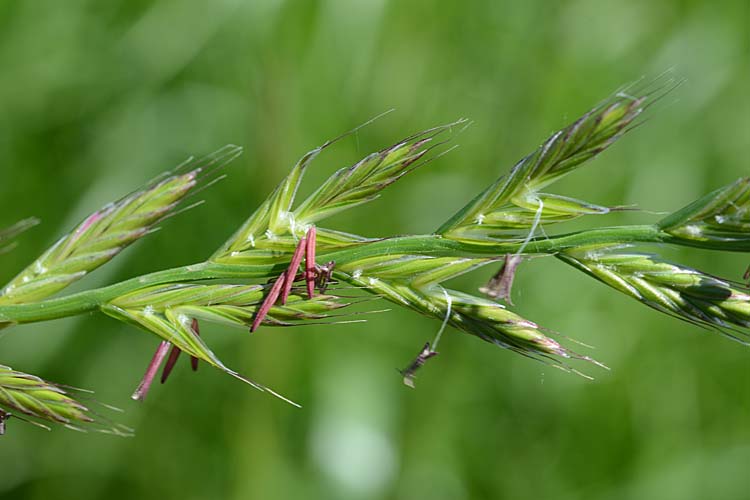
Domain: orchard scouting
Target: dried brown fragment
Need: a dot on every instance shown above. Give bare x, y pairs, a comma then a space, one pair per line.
500, 285
4, 415
410, 371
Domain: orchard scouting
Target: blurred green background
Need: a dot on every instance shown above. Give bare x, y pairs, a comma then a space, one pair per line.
98, 97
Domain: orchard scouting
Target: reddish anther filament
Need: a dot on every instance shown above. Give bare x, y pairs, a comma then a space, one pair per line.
313, 275
171, 360
153, 367
310, 262
291, 273
269, 301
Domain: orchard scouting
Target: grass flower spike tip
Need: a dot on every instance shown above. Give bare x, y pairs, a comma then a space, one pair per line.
283, 267
675, 290
30, 398
106, 232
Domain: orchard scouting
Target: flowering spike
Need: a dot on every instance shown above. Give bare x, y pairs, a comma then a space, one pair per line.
105, 233
508, 198
477, 316
171, 311
362, 182
32, 399
675, 290
720, 219
419, 270
408, 270
273, 214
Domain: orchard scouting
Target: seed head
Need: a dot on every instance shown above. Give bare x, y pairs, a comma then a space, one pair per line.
720, 219
106, 232
676, 290
29, 396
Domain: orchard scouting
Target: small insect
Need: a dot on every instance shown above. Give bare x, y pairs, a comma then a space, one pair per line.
323, 275
314, 275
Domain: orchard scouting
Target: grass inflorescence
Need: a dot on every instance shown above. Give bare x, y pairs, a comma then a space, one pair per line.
281, 267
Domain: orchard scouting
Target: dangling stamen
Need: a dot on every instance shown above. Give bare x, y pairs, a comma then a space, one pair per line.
310, 261
153, 367
171, 360
291, 272
268, 303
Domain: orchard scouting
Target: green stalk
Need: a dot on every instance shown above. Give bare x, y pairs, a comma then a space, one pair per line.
436, 245
91, 300
432, 245
498, 225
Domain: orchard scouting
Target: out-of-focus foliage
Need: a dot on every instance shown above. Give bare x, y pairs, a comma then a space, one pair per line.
98, 97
